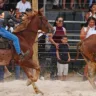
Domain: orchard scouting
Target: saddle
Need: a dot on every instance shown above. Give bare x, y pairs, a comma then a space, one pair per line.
5, 43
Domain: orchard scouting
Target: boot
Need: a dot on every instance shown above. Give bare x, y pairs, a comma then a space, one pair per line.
23, 55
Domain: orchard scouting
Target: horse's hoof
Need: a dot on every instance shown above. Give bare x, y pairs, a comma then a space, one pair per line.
7, 75
39, 93
29, 82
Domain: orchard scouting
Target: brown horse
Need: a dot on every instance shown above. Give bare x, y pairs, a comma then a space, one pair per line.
87, 48
27, 39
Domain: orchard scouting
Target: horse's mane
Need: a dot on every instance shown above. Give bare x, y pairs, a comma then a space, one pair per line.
29, 15
26, 20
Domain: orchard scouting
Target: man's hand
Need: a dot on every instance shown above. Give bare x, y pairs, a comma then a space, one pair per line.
57, 46
69, 59
87, 29
58, 58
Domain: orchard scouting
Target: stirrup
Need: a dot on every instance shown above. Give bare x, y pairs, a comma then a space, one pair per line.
23, 55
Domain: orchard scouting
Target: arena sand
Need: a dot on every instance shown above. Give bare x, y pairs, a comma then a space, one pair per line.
73, 86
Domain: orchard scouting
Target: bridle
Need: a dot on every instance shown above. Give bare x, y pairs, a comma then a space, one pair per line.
42, 23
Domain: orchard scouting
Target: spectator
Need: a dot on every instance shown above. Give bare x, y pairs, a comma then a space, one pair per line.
85, 33
2, 3
25, 21
7, 73
23, 5
11, 24
56, 4
92, 12
6, 16
63, 55
71, 5
4, 33
91, 2
1, 73
17, 71
55, 39
84, 3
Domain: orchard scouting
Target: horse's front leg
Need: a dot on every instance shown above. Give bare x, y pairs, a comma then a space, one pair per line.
30, 64
29, 73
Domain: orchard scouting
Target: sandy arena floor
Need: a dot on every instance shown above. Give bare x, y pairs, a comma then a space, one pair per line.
71, 87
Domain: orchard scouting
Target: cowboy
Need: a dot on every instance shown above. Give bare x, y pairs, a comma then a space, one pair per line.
25, 20
4, 33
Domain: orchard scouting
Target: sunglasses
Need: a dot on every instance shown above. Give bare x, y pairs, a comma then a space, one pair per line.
60, 21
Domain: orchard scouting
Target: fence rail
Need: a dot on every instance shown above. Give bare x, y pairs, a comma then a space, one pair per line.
80, 22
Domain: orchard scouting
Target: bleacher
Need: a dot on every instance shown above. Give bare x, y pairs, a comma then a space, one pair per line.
73, 22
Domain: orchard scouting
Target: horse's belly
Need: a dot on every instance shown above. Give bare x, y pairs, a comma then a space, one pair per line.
5, 56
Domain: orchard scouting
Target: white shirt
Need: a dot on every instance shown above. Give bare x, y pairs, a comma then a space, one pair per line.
90, 32
94, 15
23, 6
55, 29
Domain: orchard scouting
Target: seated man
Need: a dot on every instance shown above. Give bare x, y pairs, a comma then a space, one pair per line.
25, 21
4, 33
22, 5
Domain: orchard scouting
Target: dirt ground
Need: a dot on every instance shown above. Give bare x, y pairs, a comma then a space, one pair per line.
73, 86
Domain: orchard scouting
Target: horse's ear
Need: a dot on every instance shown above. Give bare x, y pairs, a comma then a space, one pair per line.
36, 12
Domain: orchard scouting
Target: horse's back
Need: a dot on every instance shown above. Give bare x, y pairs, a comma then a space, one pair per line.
90, 43
5, 51
88, 47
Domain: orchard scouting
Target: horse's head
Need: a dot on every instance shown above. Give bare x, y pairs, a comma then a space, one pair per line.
44, 25
38, 22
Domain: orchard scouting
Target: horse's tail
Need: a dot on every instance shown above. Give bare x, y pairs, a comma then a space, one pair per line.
78, 45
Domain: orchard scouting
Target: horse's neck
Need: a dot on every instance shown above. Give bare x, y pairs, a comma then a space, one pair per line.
30, 36
31, 31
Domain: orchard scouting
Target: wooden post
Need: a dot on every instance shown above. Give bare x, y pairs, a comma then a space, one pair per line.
35, 46
35, 4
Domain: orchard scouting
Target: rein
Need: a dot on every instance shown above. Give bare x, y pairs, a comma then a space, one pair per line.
40, 28
41, 23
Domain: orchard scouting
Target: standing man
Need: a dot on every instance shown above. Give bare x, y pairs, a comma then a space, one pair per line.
23, 5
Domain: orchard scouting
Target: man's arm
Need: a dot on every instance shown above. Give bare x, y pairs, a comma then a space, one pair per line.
2, 16
69, 58
82, 34
57, 54
52, 41
14, 19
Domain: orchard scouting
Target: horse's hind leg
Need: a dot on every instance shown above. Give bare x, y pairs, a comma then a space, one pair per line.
92, 73
28, 72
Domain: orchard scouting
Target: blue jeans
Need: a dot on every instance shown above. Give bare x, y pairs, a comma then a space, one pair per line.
10, 36
53, 67
91, 1
17, 71
1, 73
